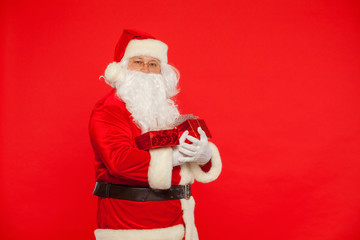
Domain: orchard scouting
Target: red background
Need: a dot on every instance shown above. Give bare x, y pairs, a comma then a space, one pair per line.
276, 81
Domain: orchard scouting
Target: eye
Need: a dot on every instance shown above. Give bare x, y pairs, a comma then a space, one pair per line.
153, 64
138, 62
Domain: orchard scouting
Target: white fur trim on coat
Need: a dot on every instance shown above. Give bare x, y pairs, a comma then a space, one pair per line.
147, 47
160, 169
214, 171
188, 207
171, 233
186, 175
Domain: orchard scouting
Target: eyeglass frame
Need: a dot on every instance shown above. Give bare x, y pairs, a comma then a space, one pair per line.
139, 66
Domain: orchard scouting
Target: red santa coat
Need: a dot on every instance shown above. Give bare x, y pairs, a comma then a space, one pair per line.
119, 161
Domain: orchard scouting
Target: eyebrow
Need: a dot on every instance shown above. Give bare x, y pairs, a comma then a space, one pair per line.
141, 58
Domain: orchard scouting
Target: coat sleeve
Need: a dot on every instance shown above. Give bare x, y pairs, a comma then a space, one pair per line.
211, 170
112, 137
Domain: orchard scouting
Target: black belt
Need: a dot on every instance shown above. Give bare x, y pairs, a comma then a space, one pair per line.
108, 190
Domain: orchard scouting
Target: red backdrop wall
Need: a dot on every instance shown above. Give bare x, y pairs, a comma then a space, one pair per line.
277, 82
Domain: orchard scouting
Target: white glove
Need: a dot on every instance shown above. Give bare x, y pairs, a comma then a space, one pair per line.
177, 155
199, 151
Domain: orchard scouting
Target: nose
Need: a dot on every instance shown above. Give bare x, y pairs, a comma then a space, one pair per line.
145, 68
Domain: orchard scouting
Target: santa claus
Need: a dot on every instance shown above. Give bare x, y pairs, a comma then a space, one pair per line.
145, 194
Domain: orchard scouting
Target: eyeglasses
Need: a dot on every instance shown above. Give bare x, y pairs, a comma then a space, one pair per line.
152, 65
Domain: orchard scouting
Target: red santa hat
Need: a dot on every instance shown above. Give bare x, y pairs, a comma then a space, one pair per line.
135, 43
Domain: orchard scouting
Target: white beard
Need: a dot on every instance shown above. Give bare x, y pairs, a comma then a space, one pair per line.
146, 98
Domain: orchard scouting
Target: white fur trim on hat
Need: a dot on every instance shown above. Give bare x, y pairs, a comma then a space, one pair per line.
160, 169
214, 171
147, 47
171, 233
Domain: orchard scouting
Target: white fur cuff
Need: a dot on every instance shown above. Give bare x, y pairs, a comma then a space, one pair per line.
171, 233
160, 169
214, 171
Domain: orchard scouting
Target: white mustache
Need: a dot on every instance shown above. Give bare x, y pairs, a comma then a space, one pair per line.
145, 95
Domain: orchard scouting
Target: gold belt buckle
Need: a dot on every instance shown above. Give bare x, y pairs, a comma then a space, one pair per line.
187, 191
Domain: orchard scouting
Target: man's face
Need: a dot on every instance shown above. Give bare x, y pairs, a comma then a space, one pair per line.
144, 64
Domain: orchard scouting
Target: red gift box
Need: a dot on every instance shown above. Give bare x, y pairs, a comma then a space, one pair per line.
155, 139
162, 138
192, 125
